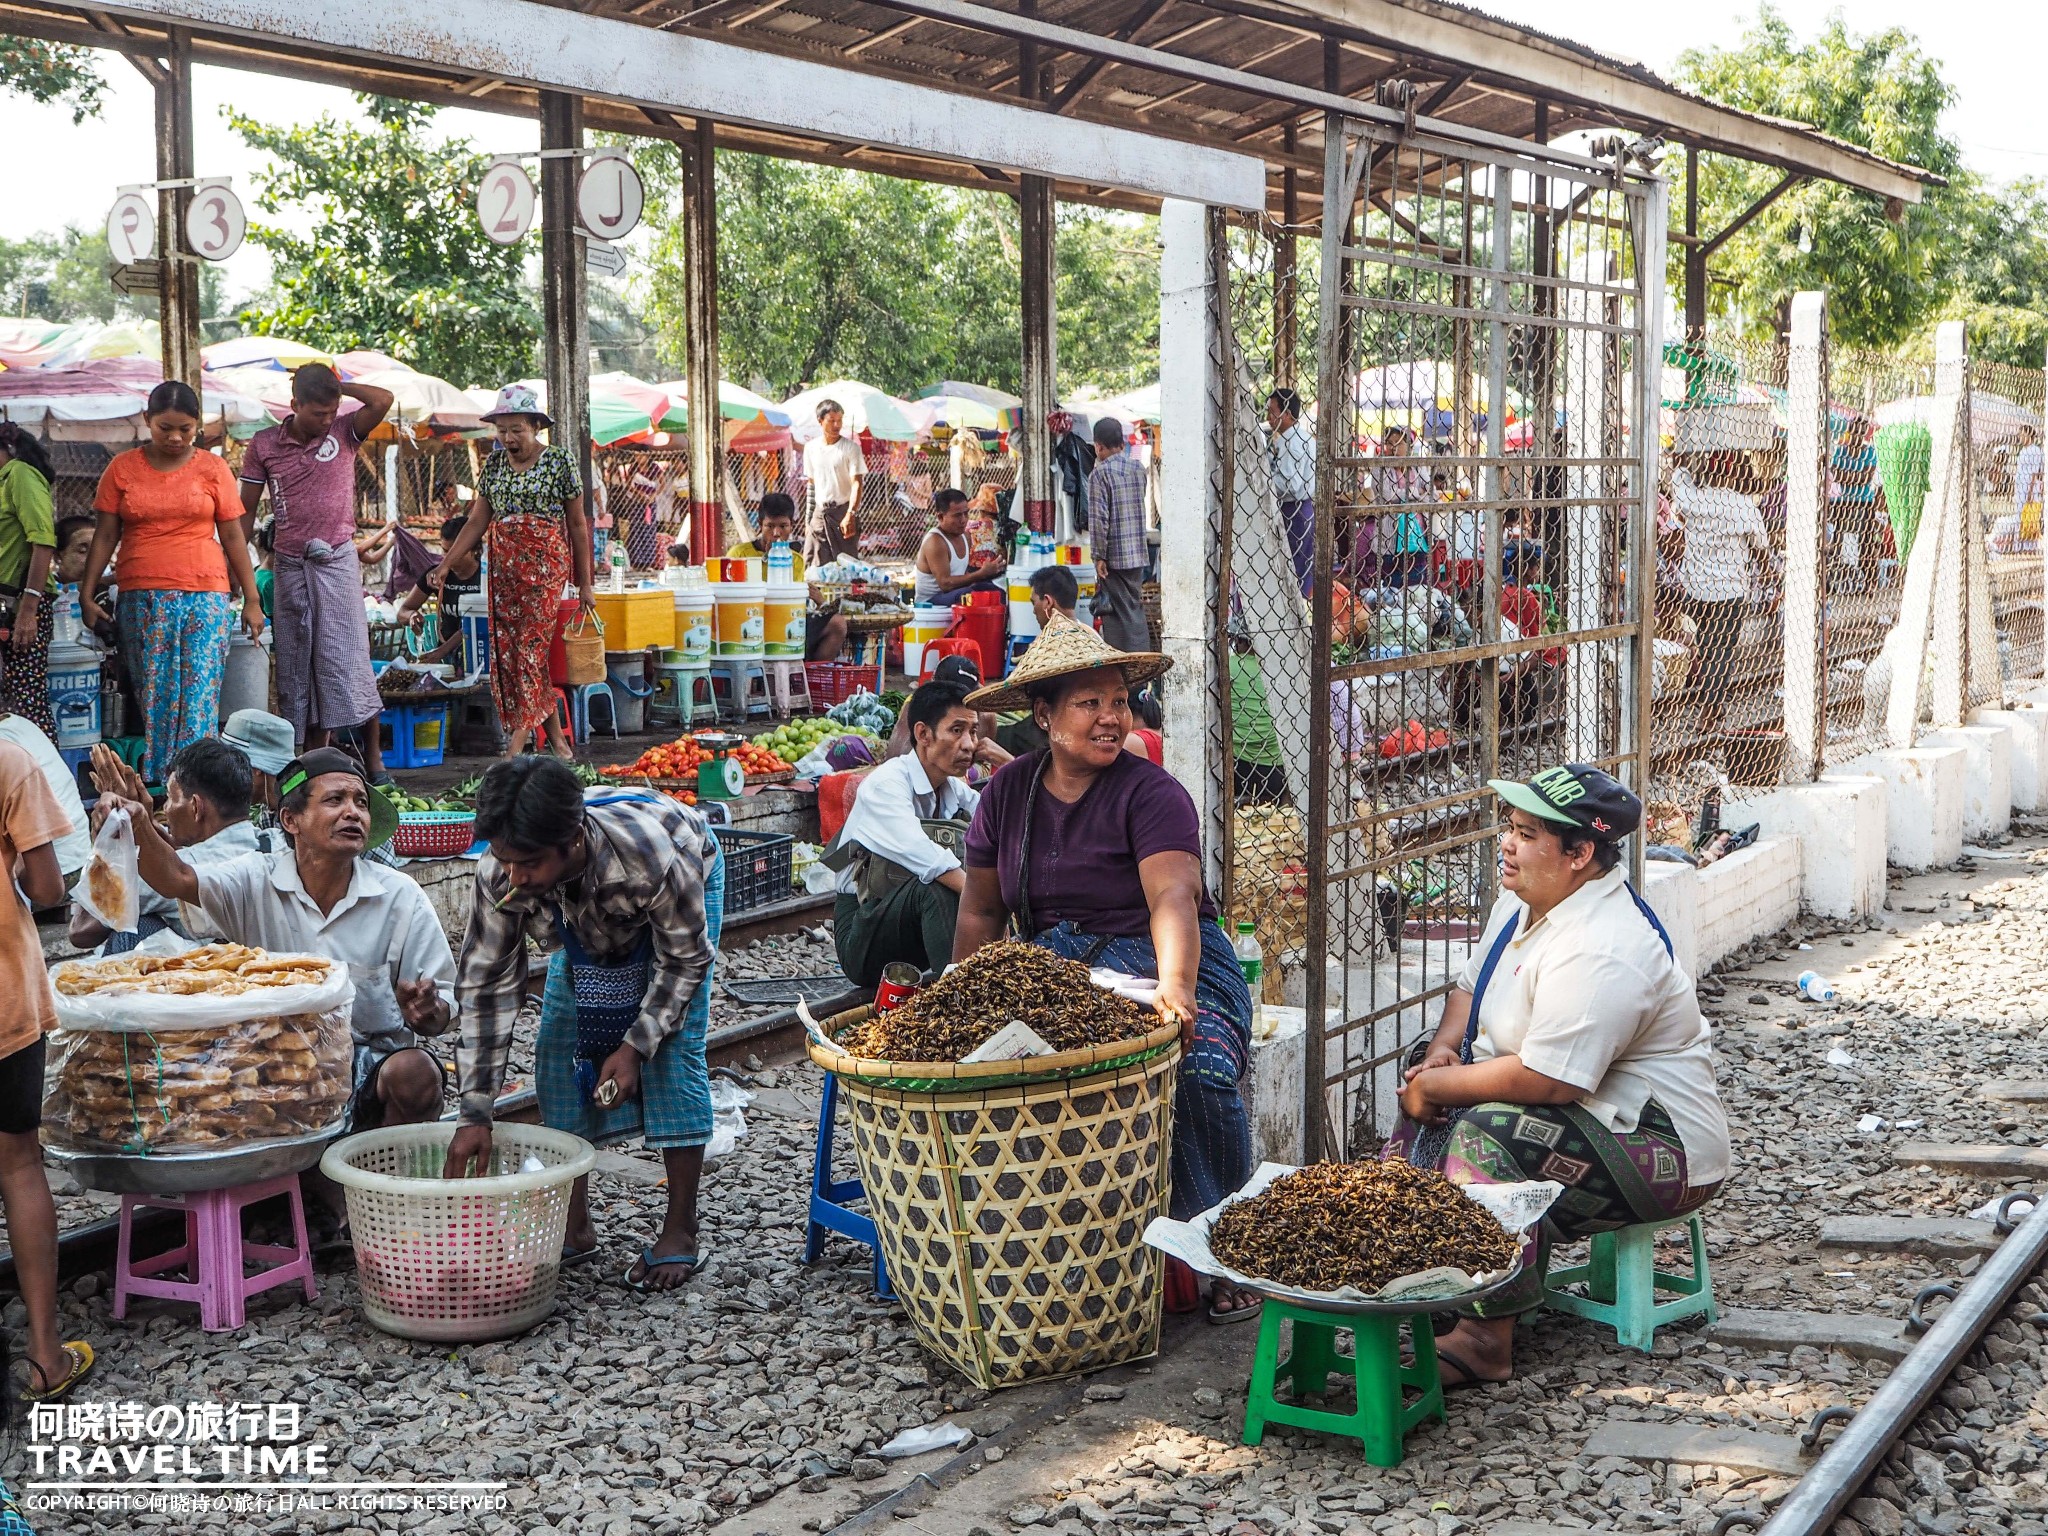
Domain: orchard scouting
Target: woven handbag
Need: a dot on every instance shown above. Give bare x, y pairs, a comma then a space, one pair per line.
583, 652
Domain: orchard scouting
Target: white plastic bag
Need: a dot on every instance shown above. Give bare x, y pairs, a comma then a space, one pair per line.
728, 1118
111, 888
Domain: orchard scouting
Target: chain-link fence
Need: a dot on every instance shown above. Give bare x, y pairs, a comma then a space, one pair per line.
2006, 463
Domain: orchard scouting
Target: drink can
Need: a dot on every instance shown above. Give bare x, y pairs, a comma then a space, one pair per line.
900, 981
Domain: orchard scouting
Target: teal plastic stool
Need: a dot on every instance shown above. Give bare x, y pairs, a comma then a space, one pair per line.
1622, 1281
1382, 1418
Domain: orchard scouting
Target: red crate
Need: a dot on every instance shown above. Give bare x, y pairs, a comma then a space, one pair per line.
834, 682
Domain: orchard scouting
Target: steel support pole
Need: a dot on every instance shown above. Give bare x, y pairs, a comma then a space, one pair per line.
1286, 286
178, 282
1695, 255
700, 286
1034, 449
564, 284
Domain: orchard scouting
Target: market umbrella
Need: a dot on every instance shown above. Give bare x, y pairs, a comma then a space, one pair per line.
985, 394
276, 352
26, 343
102, 401
621, 406
869, 412
752, 423
962, 413
1993, 418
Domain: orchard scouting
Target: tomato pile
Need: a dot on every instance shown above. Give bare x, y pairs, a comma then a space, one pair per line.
680, 759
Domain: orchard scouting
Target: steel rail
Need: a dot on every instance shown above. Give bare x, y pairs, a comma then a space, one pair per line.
1847, 1464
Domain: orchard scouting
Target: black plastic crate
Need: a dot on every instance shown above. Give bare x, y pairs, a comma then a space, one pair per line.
757, 868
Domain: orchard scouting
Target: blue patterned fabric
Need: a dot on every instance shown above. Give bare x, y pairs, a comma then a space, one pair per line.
1212, 1139
673, 1107
175, 645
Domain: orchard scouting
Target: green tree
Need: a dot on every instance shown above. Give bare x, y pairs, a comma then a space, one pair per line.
64, 277
396, 259
52, 72
826, 273
1884, 277
1999, 271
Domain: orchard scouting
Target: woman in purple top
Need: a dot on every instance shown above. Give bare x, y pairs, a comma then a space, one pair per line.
1097, 855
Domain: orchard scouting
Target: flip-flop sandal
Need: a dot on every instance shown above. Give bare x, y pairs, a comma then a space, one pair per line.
79, 1353
649, 1261
1470, 1377
572, 1257
1238, 1314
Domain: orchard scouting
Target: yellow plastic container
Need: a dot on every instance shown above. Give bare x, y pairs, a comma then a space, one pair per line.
635, 620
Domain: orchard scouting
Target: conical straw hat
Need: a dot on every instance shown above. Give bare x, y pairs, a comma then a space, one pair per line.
1066, 646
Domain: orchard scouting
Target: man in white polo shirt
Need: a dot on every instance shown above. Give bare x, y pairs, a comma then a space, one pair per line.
321, 896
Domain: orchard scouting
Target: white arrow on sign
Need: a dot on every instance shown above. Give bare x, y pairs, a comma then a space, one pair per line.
609, 197
505, 201
137, 278
215, 223
600, 257
131, 228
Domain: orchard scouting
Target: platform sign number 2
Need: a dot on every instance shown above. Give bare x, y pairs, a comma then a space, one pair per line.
505, 201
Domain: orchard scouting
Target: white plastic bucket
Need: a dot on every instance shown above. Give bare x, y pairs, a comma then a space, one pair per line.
783, 611
74, 674
926, 625
738, 618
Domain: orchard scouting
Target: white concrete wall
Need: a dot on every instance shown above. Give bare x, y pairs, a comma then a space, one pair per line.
1745, 895
1672, 890
1987, 777
1840, 827
1923, 803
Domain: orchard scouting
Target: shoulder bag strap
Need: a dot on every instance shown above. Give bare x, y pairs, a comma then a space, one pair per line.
1644, 907
1500, 947
1025, 924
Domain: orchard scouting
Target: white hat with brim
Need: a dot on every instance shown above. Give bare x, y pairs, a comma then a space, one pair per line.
518, 400
1066, 647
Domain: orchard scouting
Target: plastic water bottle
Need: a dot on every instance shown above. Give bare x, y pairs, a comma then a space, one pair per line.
781, 563
1816, 988
1250, 958
618, 564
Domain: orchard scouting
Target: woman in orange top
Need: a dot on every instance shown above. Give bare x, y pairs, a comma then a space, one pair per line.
175, 514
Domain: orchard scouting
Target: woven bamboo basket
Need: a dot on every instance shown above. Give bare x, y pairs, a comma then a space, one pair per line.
1013, 1217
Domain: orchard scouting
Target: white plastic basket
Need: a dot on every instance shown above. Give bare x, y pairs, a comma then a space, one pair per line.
457, 1260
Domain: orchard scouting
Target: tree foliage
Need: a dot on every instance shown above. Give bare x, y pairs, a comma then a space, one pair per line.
827, 273
1883, 276
53, 72
64, 277
395, 259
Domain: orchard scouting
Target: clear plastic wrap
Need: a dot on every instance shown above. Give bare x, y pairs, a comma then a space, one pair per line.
111, 889
234, 1055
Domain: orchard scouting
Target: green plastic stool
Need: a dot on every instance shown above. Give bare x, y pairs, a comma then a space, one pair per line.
1381, 1421
1622, 1281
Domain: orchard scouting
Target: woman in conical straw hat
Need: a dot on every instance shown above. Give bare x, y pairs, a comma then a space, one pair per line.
1096, 854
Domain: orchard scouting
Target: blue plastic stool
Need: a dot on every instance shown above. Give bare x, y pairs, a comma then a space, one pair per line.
580, 699
740, 688
1622, 1281
418, 735
830, 1198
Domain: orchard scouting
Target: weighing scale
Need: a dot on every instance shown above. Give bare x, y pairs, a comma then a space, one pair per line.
719, 777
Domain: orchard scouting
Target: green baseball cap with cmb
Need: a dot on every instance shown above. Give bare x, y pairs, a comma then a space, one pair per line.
1576, 796
325, 760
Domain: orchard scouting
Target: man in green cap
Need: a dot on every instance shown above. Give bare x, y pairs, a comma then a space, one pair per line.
321, 896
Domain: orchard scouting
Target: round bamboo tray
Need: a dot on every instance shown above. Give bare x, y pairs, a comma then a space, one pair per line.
1012, 1218
858, 623
982, 1074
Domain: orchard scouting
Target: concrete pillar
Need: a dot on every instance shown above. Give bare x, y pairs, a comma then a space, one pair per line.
178, 283
564, 284
1806, 458
1839, 824
2029, 731
1923, 803
1190, 317
1034, 450
700, 333
1987, 777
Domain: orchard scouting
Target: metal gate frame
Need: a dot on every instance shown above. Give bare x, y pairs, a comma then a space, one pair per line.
1607, 324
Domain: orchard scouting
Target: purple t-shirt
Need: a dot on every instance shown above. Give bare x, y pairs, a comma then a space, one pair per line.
1085, 856
312, 485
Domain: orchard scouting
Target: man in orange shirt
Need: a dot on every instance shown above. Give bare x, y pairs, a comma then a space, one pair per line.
31, 821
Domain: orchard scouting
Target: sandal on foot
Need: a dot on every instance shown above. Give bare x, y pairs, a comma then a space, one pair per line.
78, 1355
1467, 1377
1244, 1312
572, 1257
649, 1261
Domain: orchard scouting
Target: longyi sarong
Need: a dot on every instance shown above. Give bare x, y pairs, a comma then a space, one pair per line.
324, 681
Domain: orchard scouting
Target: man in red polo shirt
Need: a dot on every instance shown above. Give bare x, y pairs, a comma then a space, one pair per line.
307, 464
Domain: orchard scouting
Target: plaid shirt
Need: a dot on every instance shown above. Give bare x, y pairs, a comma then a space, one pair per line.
1116, 513
647, 858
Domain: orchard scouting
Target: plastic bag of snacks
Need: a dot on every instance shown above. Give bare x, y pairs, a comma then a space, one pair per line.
198, 1051
111, 889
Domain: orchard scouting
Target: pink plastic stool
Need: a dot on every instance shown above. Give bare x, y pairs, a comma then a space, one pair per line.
214, 1254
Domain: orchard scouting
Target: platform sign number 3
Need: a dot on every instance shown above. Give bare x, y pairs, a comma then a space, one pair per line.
505, 201
215, 223
609, 197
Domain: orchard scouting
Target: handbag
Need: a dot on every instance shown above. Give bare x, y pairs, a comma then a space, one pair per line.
583, 652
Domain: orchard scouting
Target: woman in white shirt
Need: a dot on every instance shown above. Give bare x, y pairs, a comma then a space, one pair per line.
899, 885
1572, 1050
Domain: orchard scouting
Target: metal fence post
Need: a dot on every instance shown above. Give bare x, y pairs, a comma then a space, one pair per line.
1190, 509
1806, 459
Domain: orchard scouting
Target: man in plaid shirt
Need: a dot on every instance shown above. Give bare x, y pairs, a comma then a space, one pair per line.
1116, 529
